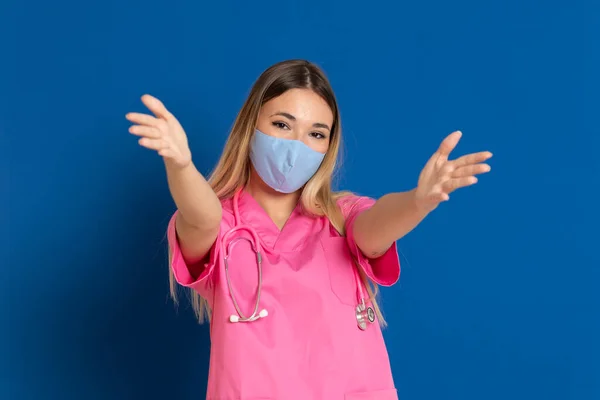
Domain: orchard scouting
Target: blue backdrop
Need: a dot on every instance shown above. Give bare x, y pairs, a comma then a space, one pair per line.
498, 295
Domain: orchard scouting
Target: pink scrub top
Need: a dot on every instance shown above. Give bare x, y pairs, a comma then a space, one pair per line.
309, 346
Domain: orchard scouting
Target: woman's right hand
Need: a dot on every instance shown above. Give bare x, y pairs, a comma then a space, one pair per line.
161, 132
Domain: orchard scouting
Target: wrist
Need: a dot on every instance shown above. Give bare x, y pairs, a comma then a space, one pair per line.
172, 166
418, 203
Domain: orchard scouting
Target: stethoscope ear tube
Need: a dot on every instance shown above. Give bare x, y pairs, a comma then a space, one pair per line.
241, 317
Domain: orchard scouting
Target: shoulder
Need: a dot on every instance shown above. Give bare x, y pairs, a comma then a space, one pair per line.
350, 203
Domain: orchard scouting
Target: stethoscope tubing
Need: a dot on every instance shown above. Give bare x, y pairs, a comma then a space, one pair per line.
228, 244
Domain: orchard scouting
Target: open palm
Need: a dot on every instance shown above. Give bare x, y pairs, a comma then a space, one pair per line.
161, 132
440, 176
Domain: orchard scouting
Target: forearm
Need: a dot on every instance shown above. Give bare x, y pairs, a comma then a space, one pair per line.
197, 203
389, 219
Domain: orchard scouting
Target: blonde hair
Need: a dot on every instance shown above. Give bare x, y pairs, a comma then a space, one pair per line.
233, 172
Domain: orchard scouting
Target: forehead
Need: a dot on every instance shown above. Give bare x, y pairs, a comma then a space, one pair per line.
302, 104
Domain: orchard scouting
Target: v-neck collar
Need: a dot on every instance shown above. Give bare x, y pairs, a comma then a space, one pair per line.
289, 238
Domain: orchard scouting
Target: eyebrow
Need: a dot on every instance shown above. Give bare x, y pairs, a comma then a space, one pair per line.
291, 117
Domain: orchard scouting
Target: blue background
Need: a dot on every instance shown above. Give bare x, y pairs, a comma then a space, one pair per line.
498, 295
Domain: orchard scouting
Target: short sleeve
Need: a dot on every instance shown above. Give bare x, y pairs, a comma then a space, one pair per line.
181, 270
383, 270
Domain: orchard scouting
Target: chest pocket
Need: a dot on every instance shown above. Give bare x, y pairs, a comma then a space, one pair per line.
340, 265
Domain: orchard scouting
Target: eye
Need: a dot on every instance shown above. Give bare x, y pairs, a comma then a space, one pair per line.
317, 135
280, 125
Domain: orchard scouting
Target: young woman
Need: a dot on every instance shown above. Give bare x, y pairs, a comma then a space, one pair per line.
285, 269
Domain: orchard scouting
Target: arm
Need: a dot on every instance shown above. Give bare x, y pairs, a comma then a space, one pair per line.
389, 219
394, 215
199, 212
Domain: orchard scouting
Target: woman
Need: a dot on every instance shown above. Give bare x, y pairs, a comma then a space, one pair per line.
285, 269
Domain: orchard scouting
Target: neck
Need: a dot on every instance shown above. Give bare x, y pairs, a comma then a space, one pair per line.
278, 206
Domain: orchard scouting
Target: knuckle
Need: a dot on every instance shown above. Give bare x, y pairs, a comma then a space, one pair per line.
168, 143
163, 127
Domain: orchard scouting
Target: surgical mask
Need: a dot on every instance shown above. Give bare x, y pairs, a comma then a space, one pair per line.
283, 164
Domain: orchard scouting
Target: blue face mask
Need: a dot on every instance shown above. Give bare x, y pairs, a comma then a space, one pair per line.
283, 164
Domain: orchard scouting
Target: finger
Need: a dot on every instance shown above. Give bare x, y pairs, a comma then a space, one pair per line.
142, 119
472, 158
452, 184
153, 144
156, 106
438, 197
448, 144
470, 170
145, 131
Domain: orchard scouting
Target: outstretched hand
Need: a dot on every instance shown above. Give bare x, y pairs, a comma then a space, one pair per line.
440, 177
161, 132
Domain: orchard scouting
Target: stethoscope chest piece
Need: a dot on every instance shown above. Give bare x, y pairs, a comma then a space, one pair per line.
364, 315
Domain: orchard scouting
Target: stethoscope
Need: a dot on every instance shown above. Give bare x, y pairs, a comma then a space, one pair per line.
365, 315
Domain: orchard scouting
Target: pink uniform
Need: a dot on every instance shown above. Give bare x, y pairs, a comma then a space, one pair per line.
309, 346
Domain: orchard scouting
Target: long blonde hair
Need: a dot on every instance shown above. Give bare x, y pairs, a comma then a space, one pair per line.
233, 169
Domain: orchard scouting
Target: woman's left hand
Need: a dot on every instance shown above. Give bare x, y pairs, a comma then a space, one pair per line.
440, 177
